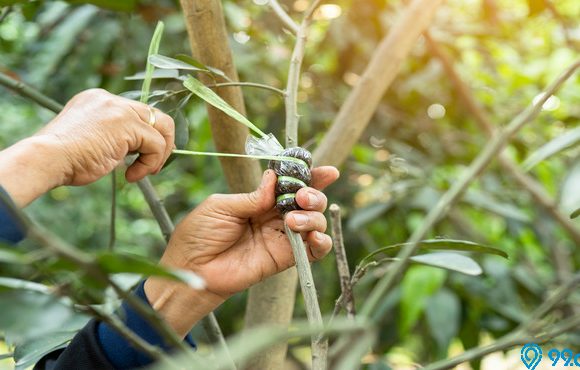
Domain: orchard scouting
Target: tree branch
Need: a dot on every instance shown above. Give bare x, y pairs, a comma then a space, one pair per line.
284, 17
341, 261
319, 342
357, 111
495, 146
250, 84
28, 91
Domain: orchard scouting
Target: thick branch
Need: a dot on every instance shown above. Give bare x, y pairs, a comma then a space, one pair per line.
494, 147
356, 113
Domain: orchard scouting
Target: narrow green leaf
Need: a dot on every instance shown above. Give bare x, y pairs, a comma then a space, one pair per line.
212, 98
189, 60
443, 313
559, 144
11, 283
116, 5
157, 74
114, 263
153, 49
575, 214
449, 261
30, 351
163, 62
436, 244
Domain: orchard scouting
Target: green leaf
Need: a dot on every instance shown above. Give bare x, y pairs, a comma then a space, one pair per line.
116, 5
418, 285
114, 263
212, 98
575, 214
29, 314
443, 313
163, 62
153, 49
7, 256
189, 60
486, 201
31, 351
11, 283
157, 74
449, 261
365, 215
559, 144
436, 244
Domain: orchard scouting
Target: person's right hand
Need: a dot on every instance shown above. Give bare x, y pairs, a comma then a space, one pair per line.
96, 130
90, 137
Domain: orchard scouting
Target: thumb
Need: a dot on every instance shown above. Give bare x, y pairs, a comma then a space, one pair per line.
246, 205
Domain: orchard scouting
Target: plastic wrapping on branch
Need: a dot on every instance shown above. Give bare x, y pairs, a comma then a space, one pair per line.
292, 176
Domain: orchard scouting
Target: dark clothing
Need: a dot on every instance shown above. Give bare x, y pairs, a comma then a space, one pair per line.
97, 346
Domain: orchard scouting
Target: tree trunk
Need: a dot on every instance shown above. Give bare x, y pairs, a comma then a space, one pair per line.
272, 301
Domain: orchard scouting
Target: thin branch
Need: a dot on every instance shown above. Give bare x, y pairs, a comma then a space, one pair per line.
291, 102
495, 146
284, 17
28, 91
113, 222
319, 342
151, 197
341, 260
250, 84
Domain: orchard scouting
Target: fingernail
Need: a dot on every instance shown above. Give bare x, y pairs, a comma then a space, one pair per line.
300, 219
312, 199
319, 236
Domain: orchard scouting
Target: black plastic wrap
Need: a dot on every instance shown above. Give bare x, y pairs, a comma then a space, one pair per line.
292, 177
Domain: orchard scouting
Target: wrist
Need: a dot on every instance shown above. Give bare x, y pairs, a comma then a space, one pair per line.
178, 304
30, 168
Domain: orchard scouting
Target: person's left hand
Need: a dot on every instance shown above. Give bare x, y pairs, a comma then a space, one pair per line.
234, 241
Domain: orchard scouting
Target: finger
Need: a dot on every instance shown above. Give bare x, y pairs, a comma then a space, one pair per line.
163, 123
311, 199
151, 148
246, 205
317, 245
324, 176
306, 221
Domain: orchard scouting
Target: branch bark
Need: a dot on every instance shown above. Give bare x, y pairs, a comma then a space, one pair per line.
357, 111
272, 301
341, 261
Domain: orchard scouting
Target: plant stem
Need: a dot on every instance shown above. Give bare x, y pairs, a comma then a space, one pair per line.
284, 17
113, 223
341, 261
28, 91
319, 342
249, 84
151, 197
495, 146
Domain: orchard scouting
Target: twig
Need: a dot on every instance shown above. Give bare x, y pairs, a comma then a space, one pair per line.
250, 84
151, 197
341, 260
495, 146
113, 223
284, 17
25, 90
291, 102
319, 342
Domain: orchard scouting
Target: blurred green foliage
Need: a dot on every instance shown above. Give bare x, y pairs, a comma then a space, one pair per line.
420, 139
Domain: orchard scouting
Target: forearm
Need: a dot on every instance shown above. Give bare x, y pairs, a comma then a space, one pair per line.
30, 168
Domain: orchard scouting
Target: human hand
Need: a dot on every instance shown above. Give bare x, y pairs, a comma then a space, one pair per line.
234, 241
86, 141
96, 130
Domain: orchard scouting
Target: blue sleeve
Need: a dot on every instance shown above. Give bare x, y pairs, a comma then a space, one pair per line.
116, 348
10, 230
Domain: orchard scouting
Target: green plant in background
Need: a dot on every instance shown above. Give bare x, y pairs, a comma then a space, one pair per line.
416, 139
